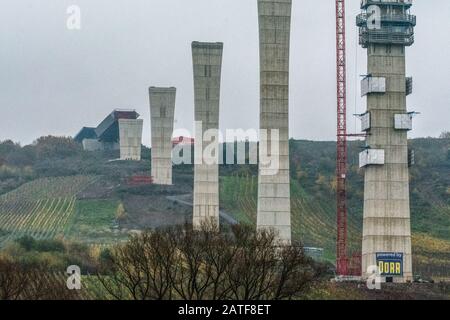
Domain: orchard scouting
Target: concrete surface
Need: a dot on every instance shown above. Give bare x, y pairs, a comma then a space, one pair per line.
274, 208
207, 63
130, 139
162, 110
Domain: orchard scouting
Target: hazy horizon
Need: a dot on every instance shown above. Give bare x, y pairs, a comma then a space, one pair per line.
56, 81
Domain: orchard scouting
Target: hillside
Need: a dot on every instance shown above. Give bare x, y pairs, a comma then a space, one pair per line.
52, 189
42, 208
313, 200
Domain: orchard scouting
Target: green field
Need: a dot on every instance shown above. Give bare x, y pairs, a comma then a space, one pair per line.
313, 223
42, 208
83, 208
94, 222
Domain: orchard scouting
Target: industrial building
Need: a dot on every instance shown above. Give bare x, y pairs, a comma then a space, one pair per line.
162, 110
120, 130
274, 207
386, 224
207, 63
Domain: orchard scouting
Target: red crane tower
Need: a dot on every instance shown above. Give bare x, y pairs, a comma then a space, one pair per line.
341, 158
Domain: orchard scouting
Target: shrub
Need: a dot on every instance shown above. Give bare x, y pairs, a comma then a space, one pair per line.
30, 244
27, 242
56, 147
24, 282
183, 263
121, 214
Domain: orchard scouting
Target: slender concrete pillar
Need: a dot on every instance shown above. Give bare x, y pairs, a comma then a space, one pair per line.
162, 110
386, 224
130, 138
274, 208
207, 60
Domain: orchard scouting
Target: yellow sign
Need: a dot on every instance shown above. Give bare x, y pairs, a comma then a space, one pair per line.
392, 268
390, 264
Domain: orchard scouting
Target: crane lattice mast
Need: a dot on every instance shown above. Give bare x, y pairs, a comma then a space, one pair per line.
341, 158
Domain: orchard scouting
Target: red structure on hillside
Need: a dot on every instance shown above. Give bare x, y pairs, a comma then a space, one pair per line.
136, 181
183, 140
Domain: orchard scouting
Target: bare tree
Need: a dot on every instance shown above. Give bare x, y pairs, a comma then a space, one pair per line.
204, 257
19, 281
13, 280
296, 273
445, 135
205, 264
140, 270
45, 285
220, 254
250, 275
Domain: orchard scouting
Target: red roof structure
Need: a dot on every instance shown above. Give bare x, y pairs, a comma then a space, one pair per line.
183, 140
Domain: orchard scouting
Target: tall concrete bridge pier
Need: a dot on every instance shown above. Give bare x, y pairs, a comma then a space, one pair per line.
207, 61
130, 138
162, 110
274, 208
386, 28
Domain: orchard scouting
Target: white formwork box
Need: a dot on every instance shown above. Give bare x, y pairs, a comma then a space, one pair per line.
403, 121
365, 121
373, 85
371, 157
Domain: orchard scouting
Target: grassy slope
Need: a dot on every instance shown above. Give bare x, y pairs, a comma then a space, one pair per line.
314, 224
93, 221
41, 208
313, 221
313, 200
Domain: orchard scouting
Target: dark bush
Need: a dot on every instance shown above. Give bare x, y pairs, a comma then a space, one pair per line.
183, 263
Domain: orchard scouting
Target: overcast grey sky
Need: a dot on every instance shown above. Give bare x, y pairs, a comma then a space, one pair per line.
55, 81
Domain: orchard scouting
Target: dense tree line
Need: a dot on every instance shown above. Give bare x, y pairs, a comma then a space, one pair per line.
48, 147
